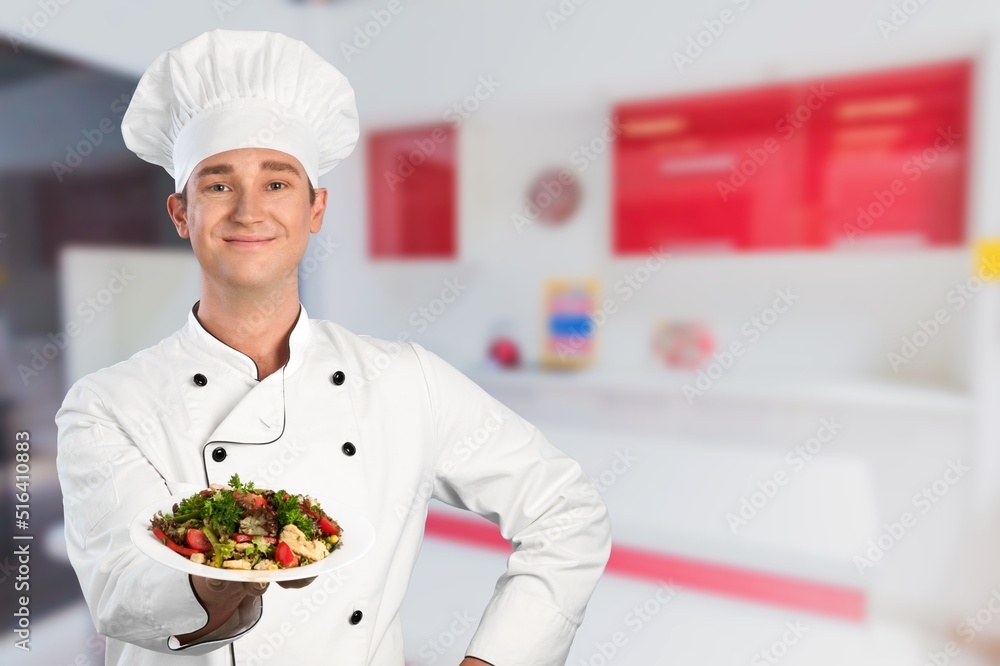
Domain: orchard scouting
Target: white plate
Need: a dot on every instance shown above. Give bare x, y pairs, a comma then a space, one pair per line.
358, 535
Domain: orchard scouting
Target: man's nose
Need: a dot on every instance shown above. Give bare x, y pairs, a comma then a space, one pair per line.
249, 207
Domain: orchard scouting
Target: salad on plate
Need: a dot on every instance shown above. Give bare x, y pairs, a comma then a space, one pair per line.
238, 526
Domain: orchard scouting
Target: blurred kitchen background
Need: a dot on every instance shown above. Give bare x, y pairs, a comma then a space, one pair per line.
737, 257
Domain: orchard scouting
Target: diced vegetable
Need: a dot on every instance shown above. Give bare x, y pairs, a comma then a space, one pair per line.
251, 500
197, 540
285, 556
177, 548
328, 526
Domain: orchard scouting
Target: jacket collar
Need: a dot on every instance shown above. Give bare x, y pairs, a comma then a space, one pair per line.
298, 345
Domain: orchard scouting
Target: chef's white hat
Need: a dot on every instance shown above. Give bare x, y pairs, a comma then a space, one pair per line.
227, 89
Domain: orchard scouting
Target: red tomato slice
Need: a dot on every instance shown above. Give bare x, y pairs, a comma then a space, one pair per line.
196, 539
329, 526
283, 553
251, 500
186, 552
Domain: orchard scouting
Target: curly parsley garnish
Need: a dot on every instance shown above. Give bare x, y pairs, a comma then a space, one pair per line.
288, 512
238, 486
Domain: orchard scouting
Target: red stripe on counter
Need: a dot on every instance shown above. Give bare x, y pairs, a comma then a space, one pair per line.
800, 594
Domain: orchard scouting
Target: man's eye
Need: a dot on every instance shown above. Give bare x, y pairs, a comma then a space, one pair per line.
216, 185
277, 186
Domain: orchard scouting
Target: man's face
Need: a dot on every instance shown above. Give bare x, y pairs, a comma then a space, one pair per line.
248, 216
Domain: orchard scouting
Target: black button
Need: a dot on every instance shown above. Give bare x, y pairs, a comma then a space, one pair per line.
348, 449
219, 454
356, 617
338, 378
200, 379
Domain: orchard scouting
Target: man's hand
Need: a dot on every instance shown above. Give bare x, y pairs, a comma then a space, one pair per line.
472, 661
295, 584
220, 599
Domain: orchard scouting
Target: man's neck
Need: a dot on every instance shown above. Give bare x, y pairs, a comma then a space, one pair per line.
255, 324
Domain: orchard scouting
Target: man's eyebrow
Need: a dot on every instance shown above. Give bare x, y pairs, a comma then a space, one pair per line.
214, 170
271, 165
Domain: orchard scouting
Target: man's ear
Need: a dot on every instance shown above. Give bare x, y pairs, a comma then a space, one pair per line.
178, 214
317, 210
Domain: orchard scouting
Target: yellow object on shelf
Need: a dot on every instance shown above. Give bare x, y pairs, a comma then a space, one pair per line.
988, 258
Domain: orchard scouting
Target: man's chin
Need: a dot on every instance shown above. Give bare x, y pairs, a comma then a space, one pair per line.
253, 283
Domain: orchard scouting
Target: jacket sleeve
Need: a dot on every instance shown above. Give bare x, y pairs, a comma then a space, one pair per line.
493, 462
105, 479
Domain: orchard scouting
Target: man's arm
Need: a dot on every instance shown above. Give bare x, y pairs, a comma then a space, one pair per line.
493, 462
105, 479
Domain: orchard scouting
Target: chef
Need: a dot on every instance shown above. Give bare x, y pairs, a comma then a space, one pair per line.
246, 122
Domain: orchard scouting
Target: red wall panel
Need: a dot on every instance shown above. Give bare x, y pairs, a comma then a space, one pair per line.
412, 193
811, 164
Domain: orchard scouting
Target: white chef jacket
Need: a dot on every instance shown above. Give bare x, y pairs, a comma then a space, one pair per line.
379, 425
